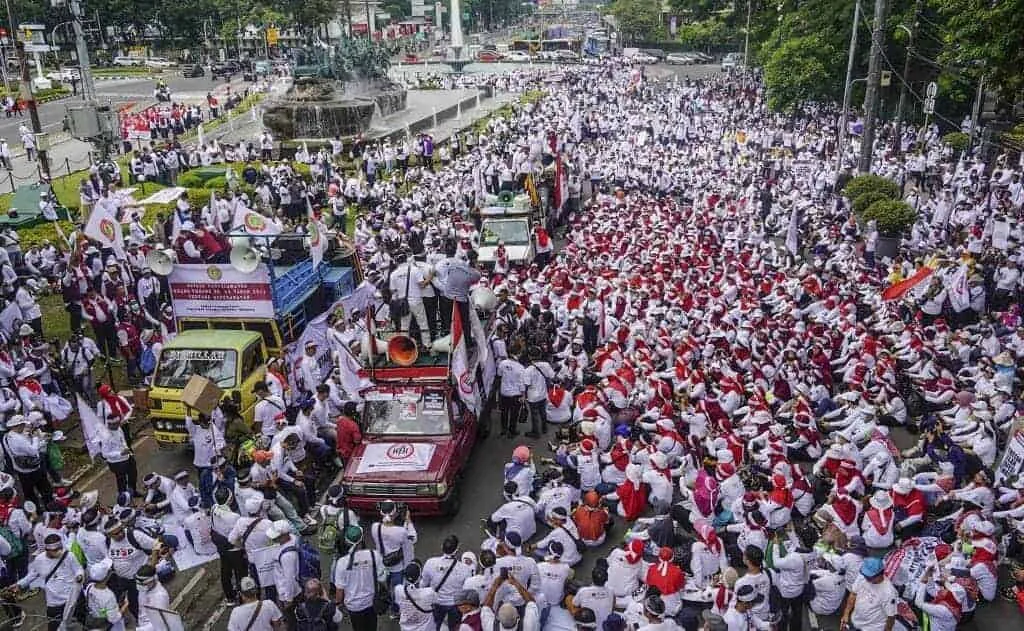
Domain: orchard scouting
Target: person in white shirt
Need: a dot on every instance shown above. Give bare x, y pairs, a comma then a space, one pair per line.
286, 565
100, 600
59, 571
407, 281
536, 377
654, 613
564, 531
446, 574
553, 576
151, 594
415, 604
208, 443
356, 577
872, 602
394, 542
518, 513
597, 597
255, 614
513, 386
507, 616
268, 410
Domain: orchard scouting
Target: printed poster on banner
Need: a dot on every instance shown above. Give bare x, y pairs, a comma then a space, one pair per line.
379, 457
1013, 458
907, 563
207, 291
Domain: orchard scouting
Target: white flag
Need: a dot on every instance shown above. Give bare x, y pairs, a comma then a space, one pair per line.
104, 228
464, 379
959, 292
93, 427
317, 236
793, 231
254, 223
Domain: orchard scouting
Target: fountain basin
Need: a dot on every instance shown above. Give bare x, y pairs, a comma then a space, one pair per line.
323, 108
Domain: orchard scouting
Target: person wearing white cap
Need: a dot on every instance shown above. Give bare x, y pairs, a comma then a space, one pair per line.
286, 565
102, 607
878, 521
255, 614
24, 445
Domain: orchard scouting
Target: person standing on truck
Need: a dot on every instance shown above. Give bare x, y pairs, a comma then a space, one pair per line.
462, 275
406, 283
268, 410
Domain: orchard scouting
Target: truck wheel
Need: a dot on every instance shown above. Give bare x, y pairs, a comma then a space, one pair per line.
454, 502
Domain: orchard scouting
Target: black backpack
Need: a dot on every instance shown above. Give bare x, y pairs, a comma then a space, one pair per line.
316, 616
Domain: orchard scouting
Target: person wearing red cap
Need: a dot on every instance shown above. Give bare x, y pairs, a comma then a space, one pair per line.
669, 578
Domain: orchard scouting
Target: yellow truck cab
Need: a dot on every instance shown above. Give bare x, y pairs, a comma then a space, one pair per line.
234, 360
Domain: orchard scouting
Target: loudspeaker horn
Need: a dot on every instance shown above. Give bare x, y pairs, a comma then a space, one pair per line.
245, 259
380, 346
402, 350
442, 344
160, 262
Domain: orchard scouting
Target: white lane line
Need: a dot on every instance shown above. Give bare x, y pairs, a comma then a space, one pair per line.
215, 616
188, 587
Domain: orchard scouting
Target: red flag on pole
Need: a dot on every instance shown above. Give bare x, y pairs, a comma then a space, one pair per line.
900, 289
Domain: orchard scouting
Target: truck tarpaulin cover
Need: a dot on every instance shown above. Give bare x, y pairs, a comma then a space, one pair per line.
316, 331
220, 291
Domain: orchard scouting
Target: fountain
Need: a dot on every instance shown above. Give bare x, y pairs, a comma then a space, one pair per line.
336, 91
455, 59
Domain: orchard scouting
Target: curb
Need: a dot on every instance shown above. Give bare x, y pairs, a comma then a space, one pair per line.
54, 97
124, 77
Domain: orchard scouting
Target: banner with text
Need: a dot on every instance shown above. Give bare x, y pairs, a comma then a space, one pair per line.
220, 291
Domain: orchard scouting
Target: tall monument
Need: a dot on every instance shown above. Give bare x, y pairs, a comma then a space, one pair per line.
457, 58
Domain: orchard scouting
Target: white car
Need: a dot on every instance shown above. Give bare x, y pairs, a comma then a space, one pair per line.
644, 58
732, 61
129, 61
518, 55
65, 75
159, 62
680, 59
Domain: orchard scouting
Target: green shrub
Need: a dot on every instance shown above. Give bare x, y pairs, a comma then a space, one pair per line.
219, 183
190, 180
893, 217
302, 169
864, 183
957, 140
864, 201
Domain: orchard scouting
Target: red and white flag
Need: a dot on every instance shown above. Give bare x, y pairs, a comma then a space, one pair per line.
959, 292
465, 381
900, 289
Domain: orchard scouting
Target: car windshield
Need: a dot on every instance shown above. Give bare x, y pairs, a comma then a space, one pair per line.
511, 231
408, 415
177, 366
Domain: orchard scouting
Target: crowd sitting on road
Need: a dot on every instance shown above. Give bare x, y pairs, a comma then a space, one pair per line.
713, 385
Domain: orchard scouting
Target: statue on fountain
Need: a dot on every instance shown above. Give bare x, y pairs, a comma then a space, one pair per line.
336, 90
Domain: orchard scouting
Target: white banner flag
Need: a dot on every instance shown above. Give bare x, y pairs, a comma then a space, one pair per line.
93, 427
959, 292
254, 223
793, 231
104, 228
464, 378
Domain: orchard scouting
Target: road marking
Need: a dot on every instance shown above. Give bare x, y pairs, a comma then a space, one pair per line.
189, 586
215, 616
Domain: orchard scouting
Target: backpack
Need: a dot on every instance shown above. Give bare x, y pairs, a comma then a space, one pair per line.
17, 545
327, 540
309, 560
308, 618
147, 361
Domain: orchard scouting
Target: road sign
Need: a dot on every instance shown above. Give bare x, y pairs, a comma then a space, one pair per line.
933, 90
273, 36
929, 105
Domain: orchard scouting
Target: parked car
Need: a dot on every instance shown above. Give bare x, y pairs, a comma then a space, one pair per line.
701, 57
680, 59
65, 75
657, 53
488, 56
732, 61
160, 62
643, 58
566, 55
518, 55
192, 70
224, 69
129, 61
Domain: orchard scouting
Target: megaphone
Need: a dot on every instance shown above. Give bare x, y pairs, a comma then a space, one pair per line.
379, 348
402, 350
484, 299
245, 259
442, 344
160, 261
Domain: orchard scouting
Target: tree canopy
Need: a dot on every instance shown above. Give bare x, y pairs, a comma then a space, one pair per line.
639, 20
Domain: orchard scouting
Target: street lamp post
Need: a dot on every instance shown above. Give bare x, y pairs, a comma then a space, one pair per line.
848, 88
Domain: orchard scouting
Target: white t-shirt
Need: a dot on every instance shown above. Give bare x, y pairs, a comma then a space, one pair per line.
242, 614
875, 604
415, 610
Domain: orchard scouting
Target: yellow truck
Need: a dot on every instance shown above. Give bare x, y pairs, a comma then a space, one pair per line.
234, 360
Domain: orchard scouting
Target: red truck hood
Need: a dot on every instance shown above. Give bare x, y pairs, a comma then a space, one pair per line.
410, 459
